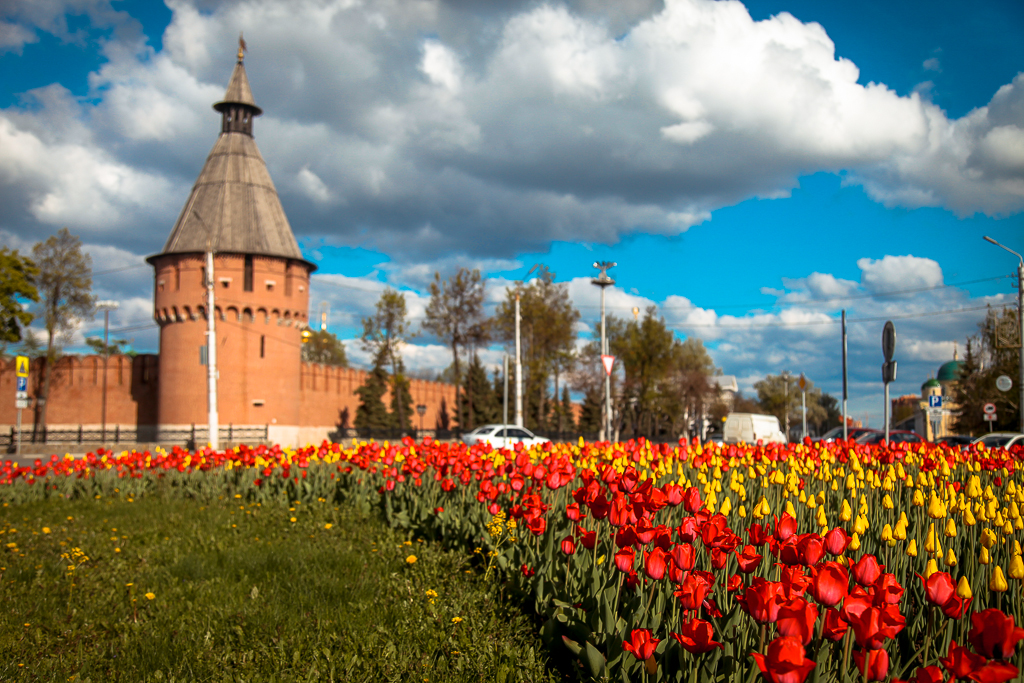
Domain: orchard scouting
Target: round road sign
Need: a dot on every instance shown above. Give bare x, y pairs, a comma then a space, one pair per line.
990, 408
888, 340
1004, 383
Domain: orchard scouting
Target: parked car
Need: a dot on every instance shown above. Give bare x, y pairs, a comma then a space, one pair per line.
837, 433
895, 436
502, 436
751, 428
1000, 440
956, 441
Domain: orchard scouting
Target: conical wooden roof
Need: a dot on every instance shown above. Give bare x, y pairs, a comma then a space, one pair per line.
234, 205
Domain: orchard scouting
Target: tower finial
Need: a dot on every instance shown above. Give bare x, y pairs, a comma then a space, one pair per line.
955, 355
241, 47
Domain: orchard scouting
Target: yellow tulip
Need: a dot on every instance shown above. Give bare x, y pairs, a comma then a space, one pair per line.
983, 556
887, 533
930, 568
969, 518
996, 581
936, 508
912, 548
855, 541
950, 558
950, 528
918, 499
845, 513
899, 532
742, 511
860, 525
988, 539
963, 589
790, 509
929, 542
1016, 569
887, 502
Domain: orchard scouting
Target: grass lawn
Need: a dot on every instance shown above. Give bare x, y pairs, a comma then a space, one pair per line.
162, 589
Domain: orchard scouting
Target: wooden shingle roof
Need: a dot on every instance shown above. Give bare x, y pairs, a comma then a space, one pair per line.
234, 205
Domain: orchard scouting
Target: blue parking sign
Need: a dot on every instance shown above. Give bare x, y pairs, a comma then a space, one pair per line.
22, 384
934, 401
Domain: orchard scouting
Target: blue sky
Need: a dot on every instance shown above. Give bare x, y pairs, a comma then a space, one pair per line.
752, 172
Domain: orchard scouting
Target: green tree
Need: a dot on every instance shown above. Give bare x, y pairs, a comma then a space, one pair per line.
547, 338
483, 406
65, 288
456, 306
988, 357
383, 335
647, 349
323, 347
371, 413
566, 417
779, 395
590, 411
401, 400
113, 348
17, 286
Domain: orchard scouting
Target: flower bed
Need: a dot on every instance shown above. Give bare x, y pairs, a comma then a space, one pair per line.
807, 561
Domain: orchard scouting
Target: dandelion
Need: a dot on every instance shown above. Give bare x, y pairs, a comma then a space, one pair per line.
328, 525
46, 529
456, 620
293, 520
150, 596
411, 559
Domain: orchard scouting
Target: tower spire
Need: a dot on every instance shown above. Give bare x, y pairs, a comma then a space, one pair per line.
241, 47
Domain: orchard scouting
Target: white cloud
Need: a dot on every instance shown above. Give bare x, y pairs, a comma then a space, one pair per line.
899, 273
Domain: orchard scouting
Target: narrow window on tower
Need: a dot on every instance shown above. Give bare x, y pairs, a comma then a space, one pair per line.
247, 283
177, 277
288, 281
263, 344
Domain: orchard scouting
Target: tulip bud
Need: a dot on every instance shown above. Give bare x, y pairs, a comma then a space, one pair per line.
1016, 568
912, 548
996, 581
983, 556
845, 513
950, 558
887, 533
929, 543
855, 542
930, 568
887, 502
742, 511
918, 499
950, 528
963, 589
988, 539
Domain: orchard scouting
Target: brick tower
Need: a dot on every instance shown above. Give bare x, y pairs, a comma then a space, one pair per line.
261, 287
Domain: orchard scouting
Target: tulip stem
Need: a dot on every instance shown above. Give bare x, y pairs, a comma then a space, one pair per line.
846, 652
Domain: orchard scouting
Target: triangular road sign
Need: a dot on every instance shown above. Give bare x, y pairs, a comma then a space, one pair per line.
608, 362
21, 366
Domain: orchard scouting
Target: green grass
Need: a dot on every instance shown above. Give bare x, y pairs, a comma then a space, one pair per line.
242, 593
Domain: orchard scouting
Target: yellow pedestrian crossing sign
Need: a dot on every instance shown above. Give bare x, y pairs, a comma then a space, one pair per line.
21, 366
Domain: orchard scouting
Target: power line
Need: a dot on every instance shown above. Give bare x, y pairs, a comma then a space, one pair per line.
118, 270
835, 321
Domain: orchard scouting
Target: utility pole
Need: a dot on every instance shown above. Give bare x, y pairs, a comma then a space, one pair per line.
845, 429
211, 355
519, 370
803, 405
504, 403
106, 307
1020, 324
785, 378
604, 281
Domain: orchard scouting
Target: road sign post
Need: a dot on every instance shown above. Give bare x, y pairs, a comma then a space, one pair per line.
888, 367
21, 392
990, 414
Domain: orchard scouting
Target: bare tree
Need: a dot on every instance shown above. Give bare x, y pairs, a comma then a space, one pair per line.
383, 334
456, 305
65, 288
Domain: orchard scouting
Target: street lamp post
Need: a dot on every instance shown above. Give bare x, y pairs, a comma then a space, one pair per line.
1020, 324
106, 307
604, 281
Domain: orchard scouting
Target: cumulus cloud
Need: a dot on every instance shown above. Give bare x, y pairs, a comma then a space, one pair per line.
394, 126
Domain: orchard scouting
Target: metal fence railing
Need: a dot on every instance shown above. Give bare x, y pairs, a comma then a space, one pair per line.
116, 434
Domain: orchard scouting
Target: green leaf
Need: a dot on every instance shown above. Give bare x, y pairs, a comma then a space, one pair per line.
595, 661
572, 645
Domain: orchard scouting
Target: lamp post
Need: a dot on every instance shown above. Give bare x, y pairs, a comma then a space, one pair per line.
604, 281
1020, 323
106, 307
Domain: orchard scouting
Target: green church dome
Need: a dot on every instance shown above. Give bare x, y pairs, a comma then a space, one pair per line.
932, 383
950, 372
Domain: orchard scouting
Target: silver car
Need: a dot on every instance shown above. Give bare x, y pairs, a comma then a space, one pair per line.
1001, 440
502, 436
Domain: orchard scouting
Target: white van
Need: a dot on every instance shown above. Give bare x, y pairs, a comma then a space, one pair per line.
749, 427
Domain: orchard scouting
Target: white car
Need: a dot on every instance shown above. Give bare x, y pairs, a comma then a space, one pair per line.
502, 436
1001, 440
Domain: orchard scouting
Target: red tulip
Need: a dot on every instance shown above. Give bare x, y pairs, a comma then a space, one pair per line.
588, 539
830, 585
794, 582
872, 626
748, 559
888, 590
867, 570
877, 664
718, 558
640, 644
626, 537
655, 564
963, 664
938, 588
758, 535
994, 634
691, 500
683, 556
673, 494
527, 571
692, 591
928, 674
697, 636
762, 600
785, 527
811, 549
957, 607
624, 559
734, 583
834, 628
688, 530
785, 661
836, 541
568, 545
796, 620
572, 511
